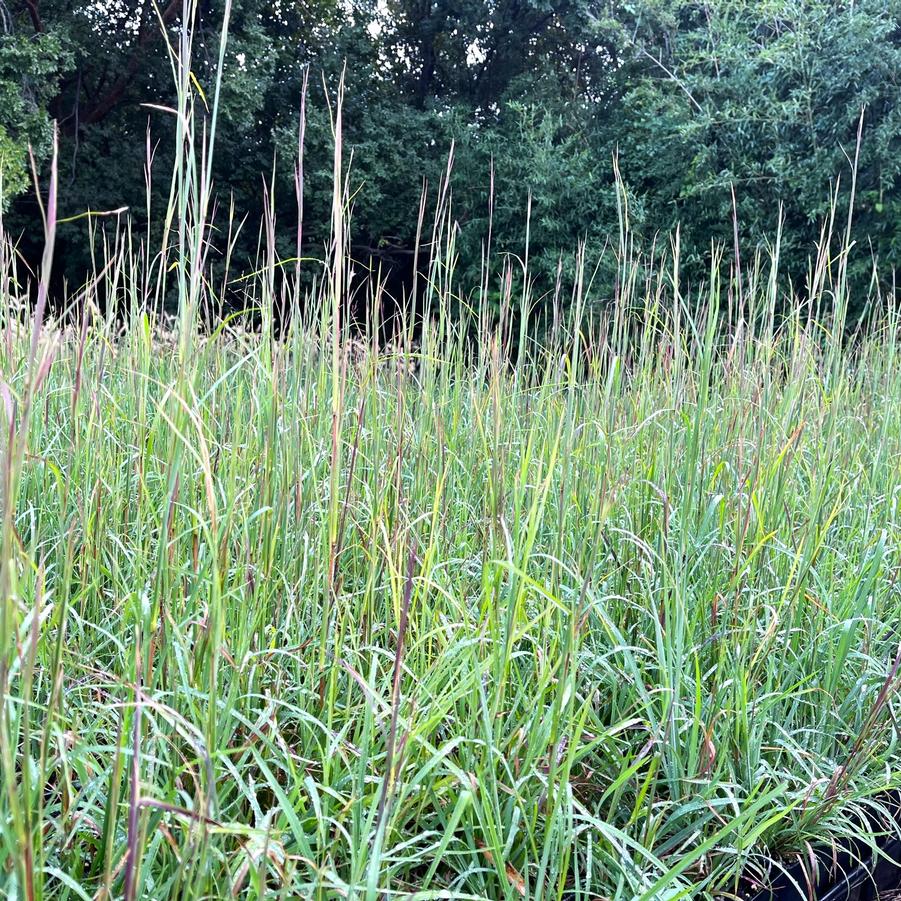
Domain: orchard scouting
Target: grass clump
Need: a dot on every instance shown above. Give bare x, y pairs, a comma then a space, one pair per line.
608, 624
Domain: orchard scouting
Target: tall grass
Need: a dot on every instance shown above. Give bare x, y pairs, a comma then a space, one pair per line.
321, 617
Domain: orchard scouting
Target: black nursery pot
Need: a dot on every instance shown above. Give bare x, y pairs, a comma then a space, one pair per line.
854, 873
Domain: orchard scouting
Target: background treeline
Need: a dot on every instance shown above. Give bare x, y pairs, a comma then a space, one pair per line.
719, 114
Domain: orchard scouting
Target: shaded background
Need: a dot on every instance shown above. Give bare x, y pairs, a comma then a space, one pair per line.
696, 99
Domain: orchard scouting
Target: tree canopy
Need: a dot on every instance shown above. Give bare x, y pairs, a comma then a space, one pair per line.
724, 116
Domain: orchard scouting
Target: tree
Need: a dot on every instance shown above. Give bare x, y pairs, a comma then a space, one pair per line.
30, 67
697, 99
765, 99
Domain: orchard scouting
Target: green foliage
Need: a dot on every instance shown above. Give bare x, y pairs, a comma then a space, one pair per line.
302, 616
765, 99
29, 71
305, 618
540, 160
13, 171
696, 100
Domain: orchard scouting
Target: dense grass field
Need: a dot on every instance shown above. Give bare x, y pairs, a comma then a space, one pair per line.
609, 615
317, 618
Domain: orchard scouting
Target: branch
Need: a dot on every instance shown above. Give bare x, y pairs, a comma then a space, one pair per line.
671, 75
116, 91
35, 15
